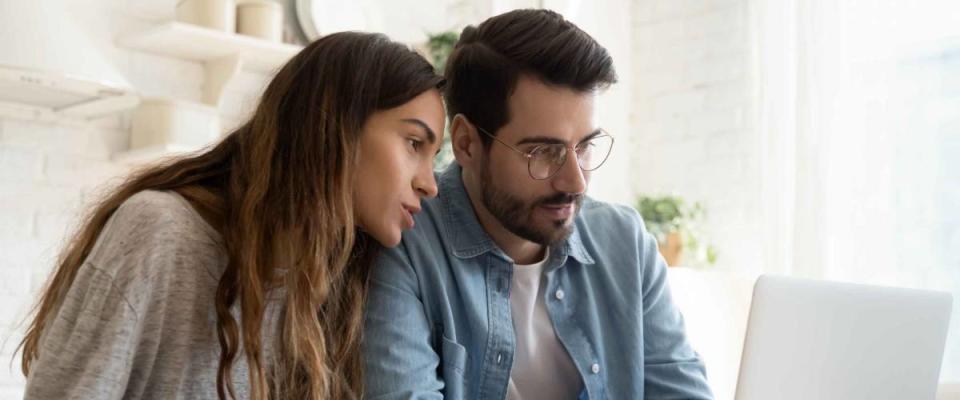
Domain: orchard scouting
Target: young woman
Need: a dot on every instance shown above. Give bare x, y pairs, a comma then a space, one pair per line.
241, 272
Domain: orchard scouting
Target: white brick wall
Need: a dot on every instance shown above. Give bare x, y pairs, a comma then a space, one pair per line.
695, 137
691, 95
50, 173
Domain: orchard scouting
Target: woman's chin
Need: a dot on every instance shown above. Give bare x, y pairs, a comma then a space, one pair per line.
389, 239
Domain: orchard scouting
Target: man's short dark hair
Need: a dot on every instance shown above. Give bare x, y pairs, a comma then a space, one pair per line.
487, 61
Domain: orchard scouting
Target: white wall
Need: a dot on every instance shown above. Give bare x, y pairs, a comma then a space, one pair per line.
692, 137
51, 172
46, 173
690, 121
404, 20
880, 138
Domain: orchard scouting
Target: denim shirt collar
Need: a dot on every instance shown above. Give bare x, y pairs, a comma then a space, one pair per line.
469, 239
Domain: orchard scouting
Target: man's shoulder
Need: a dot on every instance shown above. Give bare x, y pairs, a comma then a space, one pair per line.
428, 235
431, 220
608, 216
610, 228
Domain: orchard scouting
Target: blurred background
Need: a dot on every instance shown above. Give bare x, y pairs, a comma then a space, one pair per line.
812, 138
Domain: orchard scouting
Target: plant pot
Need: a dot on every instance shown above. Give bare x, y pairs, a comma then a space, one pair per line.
672, 249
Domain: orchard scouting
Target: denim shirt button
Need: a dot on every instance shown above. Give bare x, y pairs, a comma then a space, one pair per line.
499, 357
595, 368
560, 294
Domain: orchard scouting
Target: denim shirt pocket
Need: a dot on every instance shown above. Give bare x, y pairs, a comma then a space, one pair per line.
453, 367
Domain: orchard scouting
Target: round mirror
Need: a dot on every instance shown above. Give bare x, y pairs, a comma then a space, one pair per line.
320, 17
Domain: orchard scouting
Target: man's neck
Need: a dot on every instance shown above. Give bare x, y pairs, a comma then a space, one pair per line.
521, 250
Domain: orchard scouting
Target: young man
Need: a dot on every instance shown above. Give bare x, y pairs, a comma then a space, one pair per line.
513, 284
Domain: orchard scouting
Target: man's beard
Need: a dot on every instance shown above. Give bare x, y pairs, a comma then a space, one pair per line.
517, 215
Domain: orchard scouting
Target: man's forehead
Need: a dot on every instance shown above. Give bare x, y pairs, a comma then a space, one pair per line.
562, 130
534, 95
538, 109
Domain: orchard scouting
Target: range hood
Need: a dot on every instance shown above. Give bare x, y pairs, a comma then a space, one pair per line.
52, 68
37, 94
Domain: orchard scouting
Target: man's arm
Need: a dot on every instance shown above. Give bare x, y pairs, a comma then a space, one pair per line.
400, 362
673, 369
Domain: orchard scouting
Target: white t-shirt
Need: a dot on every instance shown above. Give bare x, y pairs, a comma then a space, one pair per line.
542, 369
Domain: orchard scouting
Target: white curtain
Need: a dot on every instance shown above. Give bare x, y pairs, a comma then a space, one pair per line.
858, 127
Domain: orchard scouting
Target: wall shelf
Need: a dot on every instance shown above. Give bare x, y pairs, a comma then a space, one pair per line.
192, 42
223, 54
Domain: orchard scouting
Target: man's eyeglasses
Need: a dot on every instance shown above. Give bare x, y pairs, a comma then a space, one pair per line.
545, 160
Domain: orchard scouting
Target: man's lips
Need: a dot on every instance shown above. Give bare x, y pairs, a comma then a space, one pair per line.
558, 211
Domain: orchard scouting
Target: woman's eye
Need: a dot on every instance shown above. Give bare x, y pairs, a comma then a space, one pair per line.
415, 144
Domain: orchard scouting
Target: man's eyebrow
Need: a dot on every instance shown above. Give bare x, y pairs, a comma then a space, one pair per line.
431, 136
551, 140
540, 140
592, 135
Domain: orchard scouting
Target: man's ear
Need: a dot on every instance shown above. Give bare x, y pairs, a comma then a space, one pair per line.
464, 140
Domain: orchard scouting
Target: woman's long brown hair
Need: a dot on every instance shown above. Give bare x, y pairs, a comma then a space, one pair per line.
279, 189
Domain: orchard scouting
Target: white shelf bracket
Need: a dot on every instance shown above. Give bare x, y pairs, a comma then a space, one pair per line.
219, 73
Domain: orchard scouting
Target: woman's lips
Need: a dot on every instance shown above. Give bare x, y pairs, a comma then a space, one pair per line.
408, 214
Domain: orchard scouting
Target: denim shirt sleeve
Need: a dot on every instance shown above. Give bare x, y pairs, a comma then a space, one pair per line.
400, 362
673, 370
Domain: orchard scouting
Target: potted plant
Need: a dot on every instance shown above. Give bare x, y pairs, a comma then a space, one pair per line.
439, 46
674, 224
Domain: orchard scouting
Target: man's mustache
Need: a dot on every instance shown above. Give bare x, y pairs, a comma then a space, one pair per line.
559, 199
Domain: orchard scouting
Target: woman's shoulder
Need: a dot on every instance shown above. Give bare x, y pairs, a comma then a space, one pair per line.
151, 210
157, 234
159, 218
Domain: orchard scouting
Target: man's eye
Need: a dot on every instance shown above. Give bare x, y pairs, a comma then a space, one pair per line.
550, 152
542, 151
585, 147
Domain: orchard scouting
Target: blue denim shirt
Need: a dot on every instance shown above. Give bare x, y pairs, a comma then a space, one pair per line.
439, 325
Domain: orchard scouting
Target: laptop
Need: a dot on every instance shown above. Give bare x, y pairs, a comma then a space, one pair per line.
817, 340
